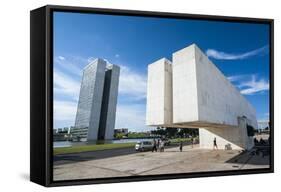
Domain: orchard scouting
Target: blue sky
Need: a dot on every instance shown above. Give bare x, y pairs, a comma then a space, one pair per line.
239, 50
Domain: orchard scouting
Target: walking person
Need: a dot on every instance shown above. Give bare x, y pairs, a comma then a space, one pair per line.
154, 148
158, 144
192, 142
161, 146
215, 144
181, 146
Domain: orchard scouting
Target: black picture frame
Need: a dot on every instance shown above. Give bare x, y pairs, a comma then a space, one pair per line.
41, 94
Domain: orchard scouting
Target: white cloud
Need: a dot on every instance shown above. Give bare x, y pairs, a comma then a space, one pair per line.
69, 64
249, 84
264, 118
65, 85
132, 83
127, 116
237, 77
131, 116
233, 56
61, 58
253, 86
117, 55
64, 112
90, 59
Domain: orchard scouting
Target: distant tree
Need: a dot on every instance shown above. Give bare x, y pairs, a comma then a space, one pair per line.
161, 132
175, 132
181, 133
171, 132
188, 131
153, 132
119, 135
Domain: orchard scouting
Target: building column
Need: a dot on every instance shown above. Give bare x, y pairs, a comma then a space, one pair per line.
246, 141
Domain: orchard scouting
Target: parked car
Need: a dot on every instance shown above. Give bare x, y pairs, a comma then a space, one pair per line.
144, 146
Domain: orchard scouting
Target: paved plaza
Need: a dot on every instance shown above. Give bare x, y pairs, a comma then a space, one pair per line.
170, 161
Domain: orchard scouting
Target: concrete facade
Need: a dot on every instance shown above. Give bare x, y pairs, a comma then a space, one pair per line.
97, 100
109, 103
204, 98
90, 98
185, 95
227, 137
159, 100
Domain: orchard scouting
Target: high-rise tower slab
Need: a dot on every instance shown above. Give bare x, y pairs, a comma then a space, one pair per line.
97, 100
109, 102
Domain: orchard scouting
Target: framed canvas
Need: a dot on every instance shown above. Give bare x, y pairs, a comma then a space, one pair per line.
125, 95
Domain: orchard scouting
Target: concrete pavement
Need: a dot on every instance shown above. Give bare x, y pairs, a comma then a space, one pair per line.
170, 161
93, 155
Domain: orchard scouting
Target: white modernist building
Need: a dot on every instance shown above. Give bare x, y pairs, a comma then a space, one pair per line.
191, 92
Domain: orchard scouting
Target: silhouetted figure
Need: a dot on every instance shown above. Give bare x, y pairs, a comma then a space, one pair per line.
256, 141
194, 141
154, 148
262, 142
162, 143
158, 144
215, 144
181, 146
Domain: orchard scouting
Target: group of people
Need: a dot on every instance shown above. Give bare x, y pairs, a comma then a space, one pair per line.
261, 141
158, 145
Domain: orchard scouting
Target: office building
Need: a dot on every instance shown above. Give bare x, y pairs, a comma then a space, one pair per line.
97, 100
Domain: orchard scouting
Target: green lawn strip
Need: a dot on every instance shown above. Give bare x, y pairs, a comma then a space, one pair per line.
178, 140
87, 148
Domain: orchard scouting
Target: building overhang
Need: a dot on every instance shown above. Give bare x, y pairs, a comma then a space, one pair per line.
196, 124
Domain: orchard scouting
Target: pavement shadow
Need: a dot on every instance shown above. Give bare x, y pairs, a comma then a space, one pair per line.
73, 158
91, 155
256, 156
94, 155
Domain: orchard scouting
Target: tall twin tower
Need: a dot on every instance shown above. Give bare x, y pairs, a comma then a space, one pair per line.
97, 100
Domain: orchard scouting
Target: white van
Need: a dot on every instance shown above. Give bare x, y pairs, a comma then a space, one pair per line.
144, 146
